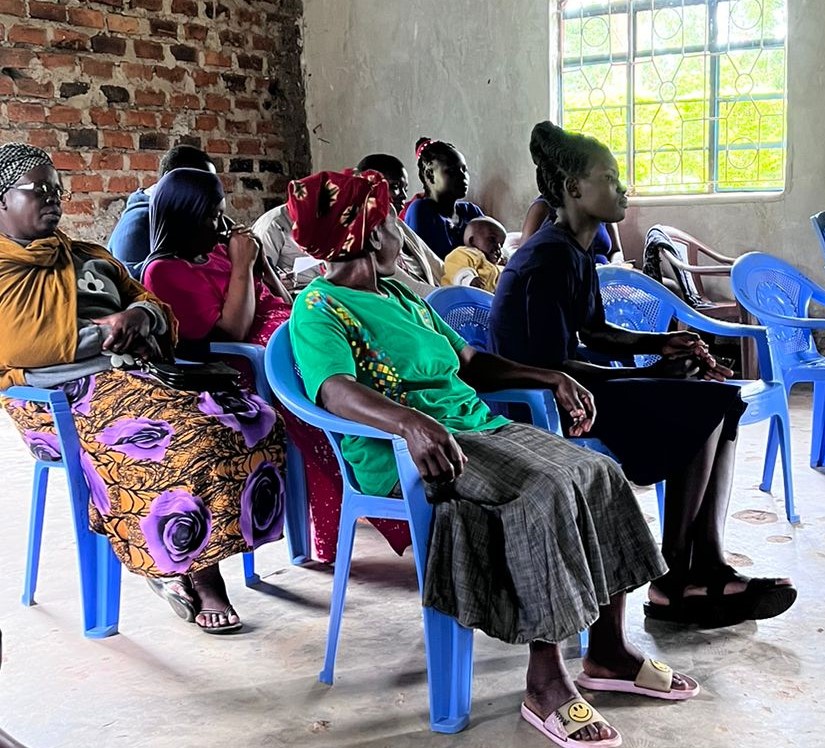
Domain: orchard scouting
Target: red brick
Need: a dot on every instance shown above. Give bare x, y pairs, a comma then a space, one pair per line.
249, 147
264, 127
238, 126
97, 68
6, 86
147, 180
86, 183
206, 122
123, 24
56, 60
196, 31
141, 119
218, 146
116, 139
67, 39
103, 117
218, 103
107, 162
28, 35
218, 59
204, 78
148, 4
63, 115
261, 43
43, 138
12, 7
20, 114
79, 207
136, 71
144, 162
122, 184
15, 58
247, 104
166, 120
49, 11
29, 87
92, 19
150, 98
173, 75
68, 161
148, 50
187, 8
185, 101
242, 202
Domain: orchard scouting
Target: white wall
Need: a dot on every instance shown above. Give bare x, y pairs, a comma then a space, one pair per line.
380, 73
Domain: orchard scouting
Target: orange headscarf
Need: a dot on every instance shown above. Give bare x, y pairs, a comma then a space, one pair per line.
335, 212
38, 303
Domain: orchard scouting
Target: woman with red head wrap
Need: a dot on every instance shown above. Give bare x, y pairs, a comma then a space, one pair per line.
534, 539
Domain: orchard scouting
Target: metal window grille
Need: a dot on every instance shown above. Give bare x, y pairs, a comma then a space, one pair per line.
688, 94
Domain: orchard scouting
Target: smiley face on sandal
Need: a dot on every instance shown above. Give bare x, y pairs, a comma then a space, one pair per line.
579, 711
660, 666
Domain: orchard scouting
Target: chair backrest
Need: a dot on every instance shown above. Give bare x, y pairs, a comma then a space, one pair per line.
818, 224
466, 310
634, 301
763, 283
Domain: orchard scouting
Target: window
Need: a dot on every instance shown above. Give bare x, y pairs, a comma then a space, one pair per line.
689, 94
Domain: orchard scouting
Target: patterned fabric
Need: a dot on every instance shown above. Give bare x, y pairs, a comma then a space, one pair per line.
335, 212
534, 536
178, 480
18, 158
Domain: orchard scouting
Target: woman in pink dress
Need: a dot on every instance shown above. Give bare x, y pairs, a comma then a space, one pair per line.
220, 287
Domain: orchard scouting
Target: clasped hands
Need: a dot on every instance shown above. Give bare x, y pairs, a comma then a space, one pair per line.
685, 356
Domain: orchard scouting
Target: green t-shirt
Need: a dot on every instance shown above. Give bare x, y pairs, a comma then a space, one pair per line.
396, 345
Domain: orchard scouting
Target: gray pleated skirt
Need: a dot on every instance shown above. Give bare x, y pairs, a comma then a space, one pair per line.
534, 536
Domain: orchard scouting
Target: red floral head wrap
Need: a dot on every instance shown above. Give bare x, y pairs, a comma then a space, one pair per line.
334, 212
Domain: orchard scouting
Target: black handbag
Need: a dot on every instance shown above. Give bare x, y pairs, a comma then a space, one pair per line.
212, 377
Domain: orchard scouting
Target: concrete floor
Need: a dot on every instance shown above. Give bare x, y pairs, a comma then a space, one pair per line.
163, 683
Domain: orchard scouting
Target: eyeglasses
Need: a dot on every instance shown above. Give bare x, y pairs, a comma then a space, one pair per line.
44, 190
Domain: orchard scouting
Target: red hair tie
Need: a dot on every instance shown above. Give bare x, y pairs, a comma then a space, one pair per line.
422, 147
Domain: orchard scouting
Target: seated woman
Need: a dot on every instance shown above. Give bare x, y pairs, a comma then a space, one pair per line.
606, 246
439, 215
69, 313
660, 425
221, 288
533, 539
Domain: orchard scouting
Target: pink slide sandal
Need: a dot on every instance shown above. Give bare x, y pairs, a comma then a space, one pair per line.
654, 679
569, 718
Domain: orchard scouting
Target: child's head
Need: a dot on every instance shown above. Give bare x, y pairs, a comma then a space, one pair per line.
486, 235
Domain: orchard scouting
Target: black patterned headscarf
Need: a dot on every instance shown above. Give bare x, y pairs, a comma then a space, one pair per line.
18, 158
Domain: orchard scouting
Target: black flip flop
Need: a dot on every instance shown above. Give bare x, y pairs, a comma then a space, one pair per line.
163, 587
226, 629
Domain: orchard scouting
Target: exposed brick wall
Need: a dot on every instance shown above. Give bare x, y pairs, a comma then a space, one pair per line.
106, 87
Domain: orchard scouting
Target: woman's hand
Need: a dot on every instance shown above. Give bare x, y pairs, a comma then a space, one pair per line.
126, 329
576, 401
243, 247
433, 449
681, 344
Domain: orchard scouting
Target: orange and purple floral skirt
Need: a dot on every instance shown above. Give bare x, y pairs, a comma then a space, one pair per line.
177, 480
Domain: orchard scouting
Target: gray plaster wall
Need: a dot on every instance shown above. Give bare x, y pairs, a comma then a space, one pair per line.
480, 73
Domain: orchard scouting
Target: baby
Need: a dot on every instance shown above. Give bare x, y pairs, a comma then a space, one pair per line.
479, 262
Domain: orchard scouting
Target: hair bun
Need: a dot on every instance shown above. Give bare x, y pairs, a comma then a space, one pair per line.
420, 145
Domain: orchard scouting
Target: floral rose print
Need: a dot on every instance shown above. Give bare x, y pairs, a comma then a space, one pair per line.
262, 505
42, 445
139, 438
97, 488
79, 393
248, 414
177, 529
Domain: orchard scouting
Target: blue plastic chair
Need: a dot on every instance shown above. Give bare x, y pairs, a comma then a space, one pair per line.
779, 296
467, 311
99, 567
818, 225
636, 302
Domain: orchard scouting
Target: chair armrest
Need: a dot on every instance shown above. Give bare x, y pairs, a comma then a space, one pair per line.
36, 394
543, 409
697, 269
806, 323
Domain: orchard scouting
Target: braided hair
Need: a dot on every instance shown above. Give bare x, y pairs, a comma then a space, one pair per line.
428, 151
559, 154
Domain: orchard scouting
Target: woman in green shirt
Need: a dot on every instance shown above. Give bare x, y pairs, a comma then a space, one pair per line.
534, 539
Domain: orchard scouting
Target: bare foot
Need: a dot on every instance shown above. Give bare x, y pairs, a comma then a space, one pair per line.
559, 692
216, 612
625, 666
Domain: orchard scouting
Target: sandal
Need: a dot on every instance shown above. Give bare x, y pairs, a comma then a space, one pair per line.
654, 679
569, 718
177, 591
227, 628
763, 597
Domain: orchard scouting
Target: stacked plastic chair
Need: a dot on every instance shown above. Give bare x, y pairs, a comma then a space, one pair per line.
636, 302
779, 296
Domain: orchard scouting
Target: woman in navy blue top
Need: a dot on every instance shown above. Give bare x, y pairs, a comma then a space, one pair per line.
439, 216
661, 424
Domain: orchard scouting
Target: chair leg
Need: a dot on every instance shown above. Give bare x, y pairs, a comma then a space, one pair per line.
784, 431
250, 578
343, 560
584, 642
774, 439
660, 500
40, 484
450, 671
297, 508
818, 426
